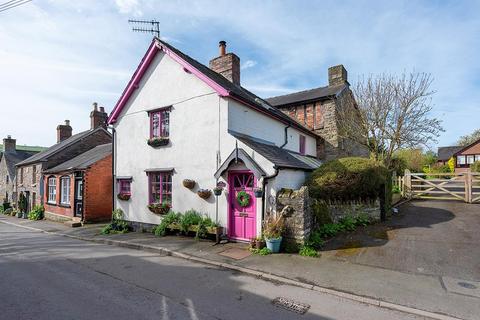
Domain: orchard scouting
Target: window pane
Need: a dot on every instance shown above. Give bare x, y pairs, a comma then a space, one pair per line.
65, 187
461, 160
477, 157
165, 123
155, 124
52, 190
470, 159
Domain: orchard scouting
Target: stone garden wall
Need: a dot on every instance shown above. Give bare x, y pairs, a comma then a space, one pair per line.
303, 214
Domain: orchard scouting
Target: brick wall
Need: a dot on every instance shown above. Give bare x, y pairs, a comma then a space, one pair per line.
97, 201
29, 180
57, 207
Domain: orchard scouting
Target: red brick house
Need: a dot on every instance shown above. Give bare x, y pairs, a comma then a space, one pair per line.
464, 155
80, 189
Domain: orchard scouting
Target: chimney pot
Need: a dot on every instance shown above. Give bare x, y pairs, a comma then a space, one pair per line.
98, 118
223, 47
95, 105
67, 122
102, 109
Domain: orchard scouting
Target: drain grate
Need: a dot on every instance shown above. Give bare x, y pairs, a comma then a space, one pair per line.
467, 285
291, 305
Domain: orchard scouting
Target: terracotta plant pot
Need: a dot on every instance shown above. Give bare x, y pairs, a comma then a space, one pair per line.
204, 193
188, 183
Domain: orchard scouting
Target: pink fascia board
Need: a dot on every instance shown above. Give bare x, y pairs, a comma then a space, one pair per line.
137, 76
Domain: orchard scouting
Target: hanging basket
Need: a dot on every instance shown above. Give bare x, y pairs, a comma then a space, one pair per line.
258, 192
123, 197
188, 183
204, 193
217, 191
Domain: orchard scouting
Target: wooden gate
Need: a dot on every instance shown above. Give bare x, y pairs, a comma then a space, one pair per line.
442, 186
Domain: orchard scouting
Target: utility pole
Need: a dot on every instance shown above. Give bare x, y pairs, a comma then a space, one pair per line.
153, 24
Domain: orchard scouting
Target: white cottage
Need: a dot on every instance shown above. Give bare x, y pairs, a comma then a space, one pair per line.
178, 119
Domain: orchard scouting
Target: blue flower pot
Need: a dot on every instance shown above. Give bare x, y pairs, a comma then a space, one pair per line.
274, 244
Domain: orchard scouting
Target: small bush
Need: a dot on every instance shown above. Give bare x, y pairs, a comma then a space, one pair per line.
348, 223
37, 213
189, 218
8, 211
308, 251
348, 179
315, 240
118, 225
263, 252
168, 219
475, 167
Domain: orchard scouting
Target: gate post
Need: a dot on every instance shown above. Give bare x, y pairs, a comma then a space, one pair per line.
407, 184
468, 187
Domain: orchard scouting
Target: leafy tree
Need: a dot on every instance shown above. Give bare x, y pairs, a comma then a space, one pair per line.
389, 113
469, 138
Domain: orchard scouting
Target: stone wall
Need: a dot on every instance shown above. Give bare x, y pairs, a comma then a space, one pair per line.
303, 214
294, 206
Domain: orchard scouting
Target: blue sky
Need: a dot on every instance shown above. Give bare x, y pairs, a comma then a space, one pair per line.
57, 57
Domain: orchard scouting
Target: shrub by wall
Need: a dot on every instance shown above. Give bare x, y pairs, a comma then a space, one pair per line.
350, 178
475, 167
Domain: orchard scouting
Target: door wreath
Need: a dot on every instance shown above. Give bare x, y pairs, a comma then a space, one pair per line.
243, 198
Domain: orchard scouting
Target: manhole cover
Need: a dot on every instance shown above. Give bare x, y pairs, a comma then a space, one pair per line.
467, 285
291, 305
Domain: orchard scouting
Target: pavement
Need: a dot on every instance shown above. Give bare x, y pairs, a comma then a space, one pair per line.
48, 276
425, 260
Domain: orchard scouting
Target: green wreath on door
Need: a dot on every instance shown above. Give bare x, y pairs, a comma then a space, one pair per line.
243, 199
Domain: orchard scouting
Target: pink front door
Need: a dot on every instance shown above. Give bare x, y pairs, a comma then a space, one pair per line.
242, 219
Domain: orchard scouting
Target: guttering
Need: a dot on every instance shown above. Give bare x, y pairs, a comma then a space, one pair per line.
264, 184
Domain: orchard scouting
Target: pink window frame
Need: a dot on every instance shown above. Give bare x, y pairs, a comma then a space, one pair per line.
301, 148
121, 183
160, 113
161, 173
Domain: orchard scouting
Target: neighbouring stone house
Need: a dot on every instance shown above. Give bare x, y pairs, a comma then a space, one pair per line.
80, 188
179, 121
29, 171
464, 156
10, 155
317, 109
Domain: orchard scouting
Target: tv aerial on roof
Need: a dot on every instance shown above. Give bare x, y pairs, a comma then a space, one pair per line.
153, 24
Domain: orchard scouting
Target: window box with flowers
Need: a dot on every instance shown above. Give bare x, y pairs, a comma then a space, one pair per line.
159, 127
124, 190
160, 191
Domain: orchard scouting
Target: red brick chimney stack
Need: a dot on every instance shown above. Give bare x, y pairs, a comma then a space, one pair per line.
64, 131
98, 117
227, 64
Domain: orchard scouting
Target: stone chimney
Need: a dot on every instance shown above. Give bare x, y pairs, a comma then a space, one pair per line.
227, 64
9, 144
98, 117
337, 75
64, 131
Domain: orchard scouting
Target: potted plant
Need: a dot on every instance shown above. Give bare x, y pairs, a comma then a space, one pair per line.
259, 243
273, 227
123, 196
160, 208
158, 141
188, 183
217, 191
258, 192
204, 193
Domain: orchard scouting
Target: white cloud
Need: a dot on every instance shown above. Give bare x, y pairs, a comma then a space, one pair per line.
248, 64
129, 7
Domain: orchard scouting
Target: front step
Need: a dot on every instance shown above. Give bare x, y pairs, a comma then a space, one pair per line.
73, 224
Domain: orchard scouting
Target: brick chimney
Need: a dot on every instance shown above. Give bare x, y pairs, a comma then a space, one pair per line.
227, 64
9, 144
98, 117
64, 131
337, 75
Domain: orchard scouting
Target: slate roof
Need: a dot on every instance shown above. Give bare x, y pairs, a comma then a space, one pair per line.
84, 160
12, 158
27, 148
306, 96
42, 156
445, 153
281, 158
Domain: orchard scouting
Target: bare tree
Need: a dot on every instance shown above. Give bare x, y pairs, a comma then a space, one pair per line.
388, 112
469, 138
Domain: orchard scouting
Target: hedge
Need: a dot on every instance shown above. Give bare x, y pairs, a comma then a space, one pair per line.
350, 178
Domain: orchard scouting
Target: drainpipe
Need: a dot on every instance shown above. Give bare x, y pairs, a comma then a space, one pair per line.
264, 184
113, 167
286, 136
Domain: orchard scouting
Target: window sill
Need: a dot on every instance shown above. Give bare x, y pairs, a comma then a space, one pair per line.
64, 205
51, 203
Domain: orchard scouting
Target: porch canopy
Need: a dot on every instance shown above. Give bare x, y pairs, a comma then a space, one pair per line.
239, 154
